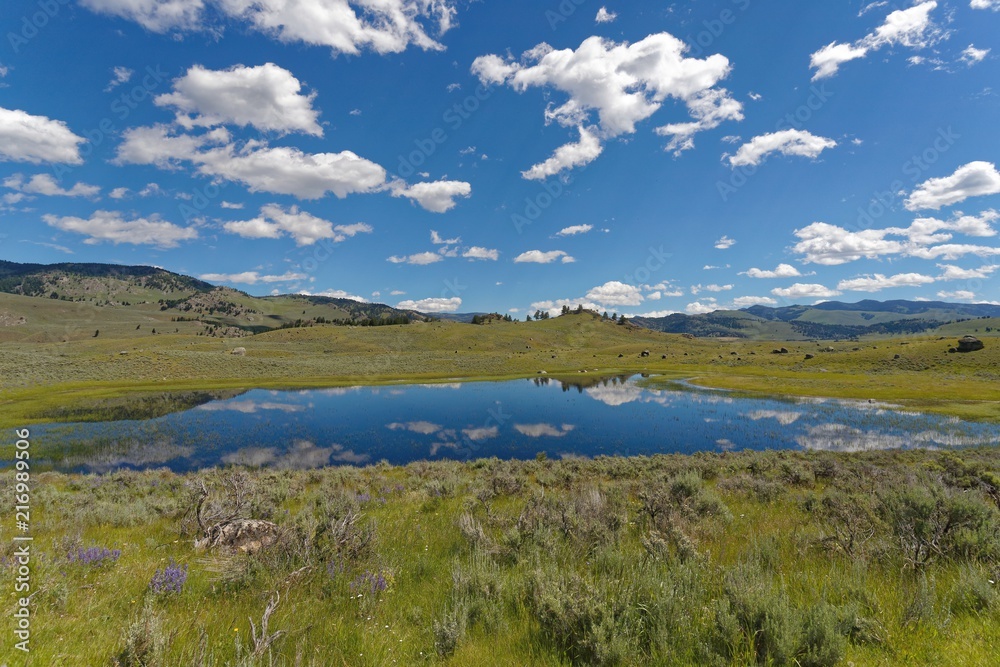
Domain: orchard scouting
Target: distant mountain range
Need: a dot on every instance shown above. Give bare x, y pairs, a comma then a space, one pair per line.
186, 298
828, 320
224, 311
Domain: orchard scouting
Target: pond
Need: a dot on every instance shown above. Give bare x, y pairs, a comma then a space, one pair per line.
513, 419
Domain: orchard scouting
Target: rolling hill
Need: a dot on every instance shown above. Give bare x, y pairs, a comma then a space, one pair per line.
825, 321
63, 301
51, 302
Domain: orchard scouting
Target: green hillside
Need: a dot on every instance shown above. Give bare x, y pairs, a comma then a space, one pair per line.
62, 302
826, 321
64, 358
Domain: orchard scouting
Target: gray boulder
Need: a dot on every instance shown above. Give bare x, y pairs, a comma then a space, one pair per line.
969, 344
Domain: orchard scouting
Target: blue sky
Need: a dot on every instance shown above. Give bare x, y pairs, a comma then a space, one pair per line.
469, 156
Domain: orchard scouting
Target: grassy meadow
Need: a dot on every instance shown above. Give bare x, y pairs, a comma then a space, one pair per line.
769, 558
41, 374
773, 558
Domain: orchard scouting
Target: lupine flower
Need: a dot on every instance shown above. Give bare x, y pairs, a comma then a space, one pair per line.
94, 556
374, 582
334, 568
170, 579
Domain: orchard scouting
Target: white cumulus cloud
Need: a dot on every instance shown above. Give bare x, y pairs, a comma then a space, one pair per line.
420, 258
962, 295
276, 221
45, 184
478, 252
540, 257
267, 97
112, 226
879, 282
36, 139
952, 272
781, 271
725, 243
574, 230
912, 28
621, 84
971, 55
974, 179
252, 277
604, 16
567, 156
615, 293
926, 238
747, 301
699, 308
785, 142
153, 15
800, 290
436, 196
344, 26
432, 305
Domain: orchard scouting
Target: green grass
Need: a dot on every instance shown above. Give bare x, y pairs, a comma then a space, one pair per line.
40, 379
673, 560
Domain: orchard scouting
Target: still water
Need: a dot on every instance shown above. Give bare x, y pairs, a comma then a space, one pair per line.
514, 419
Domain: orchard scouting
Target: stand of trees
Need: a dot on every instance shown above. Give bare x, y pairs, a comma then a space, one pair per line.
486, 319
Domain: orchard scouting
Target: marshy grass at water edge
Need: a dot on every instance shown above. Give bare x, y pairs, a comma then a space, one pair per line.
771, 558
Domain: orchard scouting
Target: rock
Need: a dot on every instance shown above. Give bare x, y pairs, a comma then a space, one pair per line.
828, 349
663, 356
810, 356
239, 535
952, 350
895, 356
969, 344
239, 351
644, 353
784, 350
542, 373
620, 356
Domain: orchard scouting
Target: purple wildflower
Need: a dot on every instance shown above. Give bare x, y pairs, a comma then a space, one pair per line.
94, 556
170, 579
372, 581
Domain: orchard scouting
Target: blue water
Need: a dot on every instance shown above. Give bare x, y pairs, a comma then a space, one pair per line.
514, 419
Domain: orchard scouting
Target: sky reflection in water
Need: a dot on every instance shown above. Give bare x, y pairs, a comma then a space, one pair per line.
515, 419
